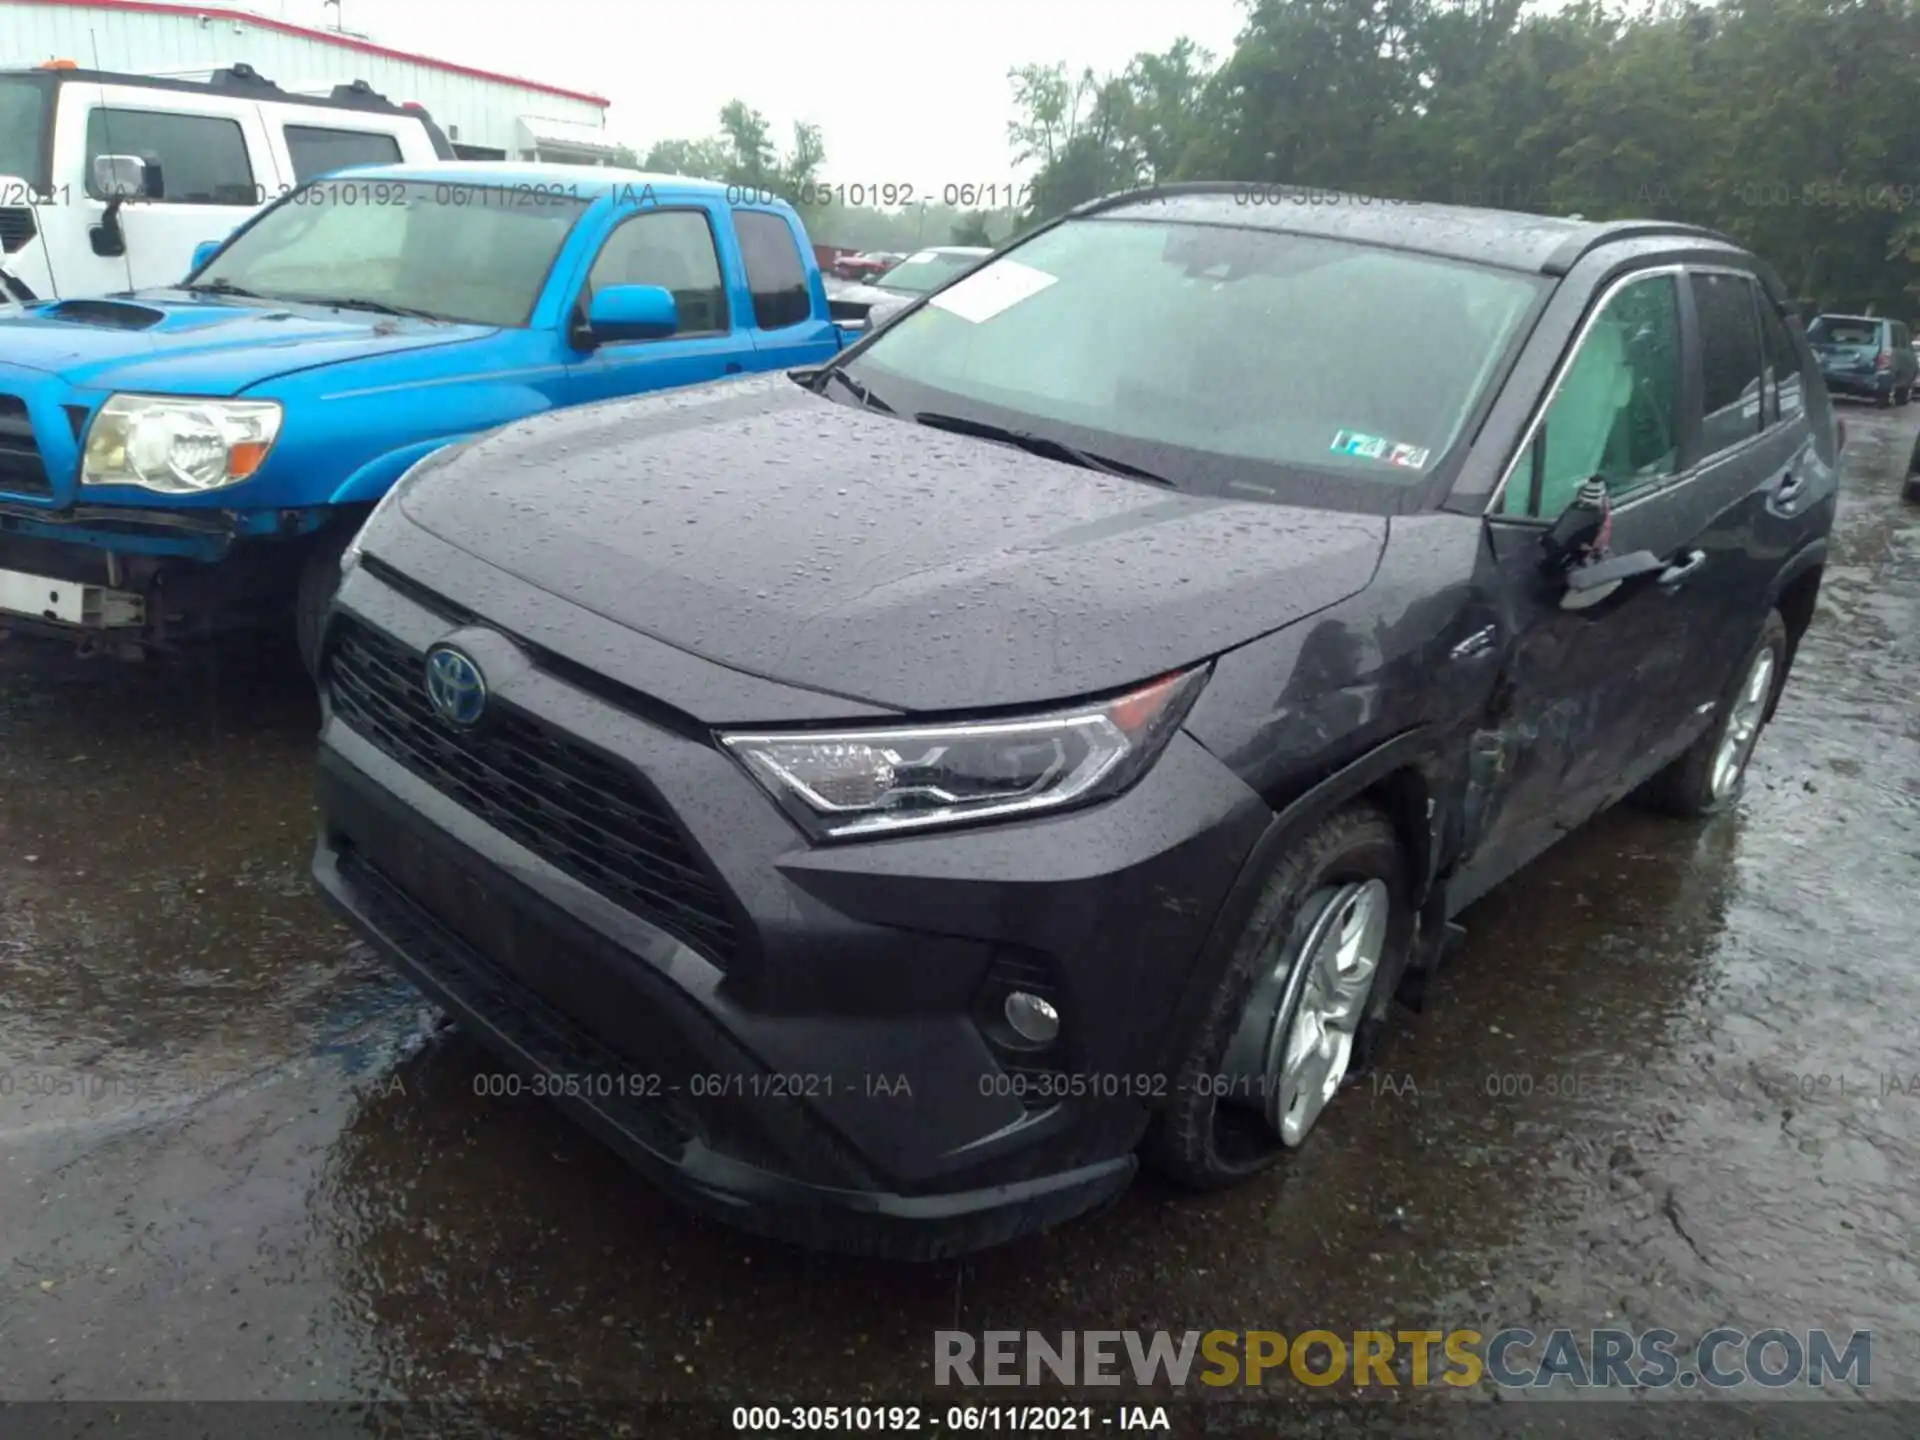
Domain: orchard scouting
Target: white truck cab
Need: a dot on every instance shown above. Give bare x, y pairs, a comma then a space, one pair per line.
109, 181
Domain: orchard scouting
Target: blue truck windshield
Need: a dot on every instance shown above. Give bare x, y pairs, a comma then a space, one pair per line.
457, 251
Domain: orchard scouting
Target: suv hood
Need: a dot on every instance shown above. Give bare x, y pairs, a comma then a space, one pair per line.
804, 541
173, 342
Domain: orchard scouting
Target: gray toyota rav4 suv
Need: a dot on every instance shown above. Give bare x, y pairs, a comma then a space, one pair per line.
891, 800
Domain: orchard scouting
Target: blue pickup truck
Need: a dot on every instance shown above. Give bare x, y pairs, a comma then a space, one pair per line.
182, 461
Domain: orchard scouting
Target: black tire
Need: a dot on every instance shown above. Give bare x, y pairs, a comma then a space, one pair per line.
1883, 401
1685, 788
1910, 492
1201, 1141
319, 578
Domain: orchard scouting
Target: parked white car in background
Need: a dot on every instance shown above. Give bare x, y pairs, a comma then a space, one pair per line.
109, 181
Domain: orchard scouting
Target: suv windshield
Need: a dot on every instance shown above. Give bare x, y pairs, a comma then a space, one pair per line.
411, 245
1843, 330
926, 271
1308, 363
24, 102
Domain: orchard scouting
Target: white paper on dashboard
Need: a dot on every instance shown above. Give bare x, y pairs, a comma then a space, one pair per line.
985, 293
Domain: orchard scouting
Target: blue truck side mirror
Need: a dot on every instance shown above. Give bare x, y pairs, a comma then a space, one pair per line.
202, 253
633, 312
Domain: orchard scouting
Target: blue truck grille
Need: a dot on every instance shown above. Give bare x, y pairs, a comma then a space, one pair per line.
22, 472
564, 802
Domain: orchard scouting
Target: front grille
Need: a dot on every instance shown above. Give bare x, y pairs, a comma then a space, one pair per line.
22, 472
17, 228
565, 803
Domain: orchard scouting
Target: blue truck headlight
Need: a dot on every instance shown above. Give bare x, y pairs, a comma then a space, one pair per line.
178, 446
860, 783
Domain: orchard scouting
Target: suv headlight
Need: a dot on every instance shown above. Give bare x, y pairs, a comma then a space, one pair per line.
178, 446
857, 783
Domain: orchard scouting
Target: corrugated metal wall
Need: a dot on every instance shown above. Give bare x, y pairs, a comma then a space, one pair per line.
481, 111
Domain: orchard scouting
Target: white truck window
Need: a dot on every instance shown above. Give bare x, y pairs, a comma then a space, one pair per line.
202, 160
315, 151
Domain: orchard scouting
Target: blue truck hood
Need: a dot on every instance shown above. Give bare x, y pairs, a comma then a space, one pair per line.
175, 343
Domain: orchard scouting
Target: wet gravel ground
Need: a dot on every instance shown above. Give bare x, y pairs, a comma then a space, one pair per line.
1672, 1080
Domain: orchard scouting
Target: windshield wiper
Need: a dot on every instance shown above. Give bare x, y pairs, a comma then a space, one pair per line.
860, 392
1040, 445
221, 287
364, 302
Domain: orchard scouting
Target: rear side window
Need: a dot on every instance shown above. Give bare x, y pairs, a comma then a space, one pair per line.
315, 151
1729, 359
775, 272
670, 248
202, 158
1786, 393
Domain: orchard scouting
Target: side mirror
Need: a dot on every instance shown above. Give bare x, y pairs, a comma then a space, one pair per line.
202, 253
1581, 528
126, 177
632, 312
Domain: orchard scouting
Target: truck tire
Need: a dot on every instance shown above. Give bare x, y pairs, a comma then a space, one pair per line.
319, 578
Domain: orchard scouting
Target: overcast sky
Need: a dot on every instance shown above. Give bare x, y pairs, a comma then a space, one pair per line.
920, 98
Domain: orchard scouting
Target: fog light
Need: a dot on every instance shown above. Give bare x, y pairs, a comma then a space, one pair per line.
1032, 1018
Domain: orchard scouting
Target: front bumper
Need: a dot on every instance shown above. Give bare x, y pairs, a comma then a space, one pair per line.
828, 1074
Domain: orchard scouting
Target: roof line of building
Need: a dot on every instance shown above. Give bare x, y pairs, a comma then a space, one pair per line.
331, 37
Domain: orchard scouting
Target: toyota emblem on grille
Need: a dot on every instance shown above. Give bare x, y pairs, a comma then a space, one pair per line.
455, 686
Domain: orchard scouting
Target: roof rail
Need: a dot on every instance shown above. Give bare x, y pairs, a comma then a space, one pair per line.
1154, 192
1607, 232
242, 78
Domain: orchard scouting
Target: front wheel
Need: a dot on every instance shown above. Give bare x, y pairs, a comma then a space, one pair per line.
1710, 776
1292, 1012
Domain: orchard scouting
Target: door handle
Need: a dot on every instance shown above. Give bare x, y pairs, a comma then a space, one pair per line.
1684, 566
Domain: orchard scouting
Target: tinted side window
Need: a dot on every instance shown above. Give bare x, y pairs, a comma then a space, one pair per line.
775, 272
671, 248
315, 151
1786, 392
202, 159
1616, 413
1729, 359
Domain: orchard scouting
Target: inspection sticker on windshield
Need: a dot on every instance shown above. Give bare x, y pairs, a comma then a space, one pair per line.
1376, 447
985, 293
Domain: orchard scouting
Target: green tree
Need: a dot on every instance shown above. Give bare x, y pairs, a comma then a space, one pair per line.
971, 229
696, 159
1787, 124
743, 153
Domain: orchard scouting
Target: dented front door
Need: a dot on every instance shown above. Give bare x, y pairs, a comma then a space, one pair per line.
1587, 700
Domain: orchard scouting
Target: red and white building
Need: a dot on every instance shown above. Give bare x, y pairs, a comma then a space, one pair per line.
487, 116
